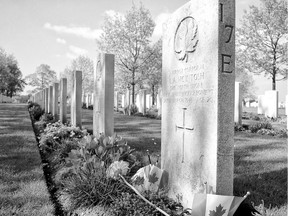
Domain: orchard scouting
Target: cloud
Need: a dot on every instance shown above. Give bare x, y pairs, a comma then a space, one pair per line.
159, 21
75, 52
61, 41
112, 13
84, 32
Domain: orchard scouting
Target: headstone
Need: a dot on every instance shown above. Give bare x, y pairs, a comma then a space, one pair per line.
286, 107
92, 98
46, 92
116, 104
55, 111
238, 104
127, 98
103, 107
159, 101
50, 99
138, 100
76, 102
142, 101
63, 100
148, 101
88, 100
123, 101
84, 100
261, 105
271, 98
198, 84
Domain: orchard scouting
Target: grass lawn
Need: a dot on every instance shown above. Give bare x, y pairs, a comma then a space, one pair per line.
260, 160
22, 186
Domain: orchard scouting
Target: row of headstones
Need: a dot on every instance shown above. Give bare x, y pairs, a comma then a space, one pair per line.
268, 104
5, 99
103, 101
143, 100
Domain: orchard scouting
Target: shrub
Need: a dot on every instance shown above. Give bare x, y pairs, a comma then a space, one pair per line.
84, 106
90, 107
54, 133
130, 109
131, 204
36, 111
261, 125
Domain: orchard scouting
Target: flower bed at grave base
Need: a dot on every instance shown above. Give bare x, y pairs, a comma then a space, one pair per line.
100, 175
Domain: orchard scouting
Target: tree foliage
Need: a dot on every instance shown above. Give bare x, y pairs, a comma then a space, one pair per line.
11, 80
262, 40
84, 64
128, 37
41, 78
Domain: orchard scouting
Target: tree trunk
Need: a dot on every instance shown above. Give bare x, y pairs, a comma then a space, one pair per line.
153, 95
133, 86
274, 81
133, 93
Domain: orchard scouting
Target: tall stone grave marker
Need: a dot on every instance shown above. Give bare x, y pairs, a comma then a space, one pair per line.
50, 99
116, 103
103, 107
271, 105
238, 104
63, 100
159, 101
142, 101
127, 98
55, 112
76, 100
261, 106
286, 107
46, 92
198, 84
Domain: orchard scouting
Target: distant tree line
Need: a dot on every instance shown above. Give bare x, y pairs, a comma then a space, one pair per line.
11, 81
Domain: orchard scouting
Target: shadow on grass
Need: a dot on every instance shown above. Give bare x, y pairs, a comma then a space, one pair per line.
261, 168
22, 187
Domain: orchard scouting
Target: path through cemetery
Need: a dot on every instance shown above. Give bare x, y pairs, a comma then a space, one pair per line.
22, 186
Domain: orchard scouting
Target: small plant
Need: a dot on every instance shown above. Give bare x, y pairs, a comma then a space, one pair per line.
35, 110
254, 128
54, 133
131, 204
130, 109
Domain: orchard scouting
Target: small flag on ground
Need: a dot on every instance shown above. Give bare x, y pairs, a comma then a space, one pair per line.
215, 205
150, 178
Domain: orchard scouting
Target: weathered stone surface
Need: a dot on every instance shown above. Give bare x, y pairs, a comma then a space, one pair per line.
261, 105
46, 96
55, 111
76, 100
103, 108
271, 104
198, 84
63, 100
238, 104
142, 101
50, 99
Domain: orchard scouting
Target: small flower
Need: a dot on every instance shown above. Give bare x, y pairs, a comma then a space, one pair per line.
116, 168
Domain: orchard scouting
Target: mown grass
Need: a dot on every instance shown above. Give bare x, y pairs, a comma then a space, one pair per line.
22, 186
260, 160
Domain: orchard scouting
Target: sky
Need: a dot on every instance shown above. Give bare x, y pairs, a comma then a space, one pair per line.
54, 32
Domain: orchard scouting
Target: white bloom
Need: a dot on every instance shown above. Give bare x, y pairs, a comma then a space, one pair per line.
116, 168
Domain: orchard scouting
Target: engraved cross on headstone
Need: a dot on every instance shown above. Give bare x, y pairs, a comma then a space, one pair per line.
184, 128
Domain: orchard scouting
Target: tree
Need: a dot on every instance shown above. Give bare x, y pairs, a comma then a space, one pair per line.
153, 69
11, 80
128, 37
262, 40
84, 64
42, 78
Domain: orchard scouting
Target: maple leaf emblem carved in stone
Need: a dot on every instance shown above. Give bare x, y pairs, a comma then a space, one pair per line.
186, 38
219, 211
